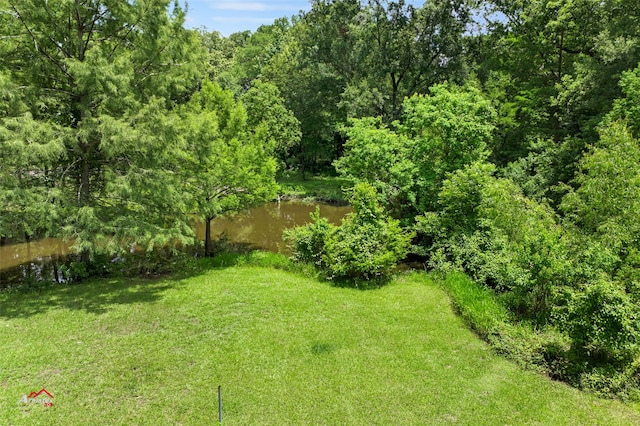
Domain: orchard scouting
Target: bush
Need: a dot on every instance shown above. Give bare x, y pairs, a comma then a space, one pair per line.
607, 381
308, 242
629, 273
101, 265
365, 247
603, 323
489, 229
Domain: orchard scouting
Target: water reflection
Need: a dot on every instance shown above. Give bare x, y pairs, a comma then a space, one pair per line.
13, 255
33, 261
260, 227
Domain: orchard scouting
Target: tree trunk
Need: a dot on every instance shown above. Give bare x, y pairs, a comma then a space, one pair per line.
207, 237
84, 193
395, 86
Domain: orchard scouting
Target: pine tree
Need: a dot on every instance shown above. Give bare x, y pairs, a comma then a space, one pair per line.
86, 145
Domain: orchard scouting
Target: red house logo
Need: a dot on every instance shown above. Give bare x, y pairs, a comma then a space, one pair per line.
42, 396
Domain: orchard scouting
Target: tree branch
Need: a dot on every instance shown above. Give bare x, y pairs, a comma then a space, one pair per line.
35, 42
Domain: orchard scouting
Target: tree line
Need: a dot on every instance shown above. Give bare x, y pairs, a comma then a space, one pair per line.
495, 137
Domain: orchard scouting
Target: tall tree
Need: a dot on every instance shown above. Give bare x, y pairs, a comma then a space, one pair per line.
607, 199
98, 76
255, 54
558, 64
265, 105
403, 50
438, 134
226, 164
312, 92
350, 58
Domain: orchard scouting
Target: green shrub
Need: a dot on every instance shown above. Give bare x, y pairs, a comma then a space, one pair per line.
606, 202
368, 244
489, 229
607, 381
308, 242
603, 323
572, 290
365, 247
100, 265
629, 274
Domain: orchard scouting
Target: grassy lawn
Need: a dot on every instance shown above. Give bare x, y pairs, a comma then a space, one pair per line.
325, 188
285, 349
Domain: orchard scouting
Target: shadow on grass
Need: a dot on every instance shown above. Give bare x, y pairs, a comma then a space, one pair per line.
139, 281
94, 296
322, 348
97, 295
359, 284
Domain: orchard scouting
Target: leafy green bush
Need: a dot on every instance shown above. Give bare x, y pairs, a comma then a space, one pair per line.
365, 247
488, 228
607, 380
627, 108
308, 242
368, 244
100, 265
606, 202
570, 316
603, 323
629, 274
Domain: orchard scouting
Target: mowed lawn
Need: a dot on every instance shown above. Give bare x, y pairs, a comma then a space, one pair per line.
285, 349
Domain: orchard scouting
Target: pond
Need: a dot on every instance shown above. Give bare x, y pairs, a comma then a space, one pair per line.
260, 228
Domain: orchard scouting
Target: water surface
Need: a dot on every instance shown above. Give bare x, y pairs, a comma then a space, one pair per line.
262, 227
259, 227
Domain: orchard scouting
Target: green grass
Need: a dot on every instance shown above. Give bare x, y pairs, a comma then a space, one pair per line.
323, 188
285, 349
538, 349
475, 304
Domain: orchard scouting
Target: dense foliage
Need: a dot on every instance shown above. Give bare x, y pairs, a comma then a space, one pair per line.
366, 247
499, 138
438, 134
108, 134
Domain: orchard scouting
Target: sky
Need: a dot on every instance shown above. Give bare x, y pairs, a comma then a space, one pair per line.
228, 17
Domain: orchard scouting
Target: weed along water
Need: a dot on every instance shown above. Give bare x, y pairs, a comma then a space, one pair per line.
260, 228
